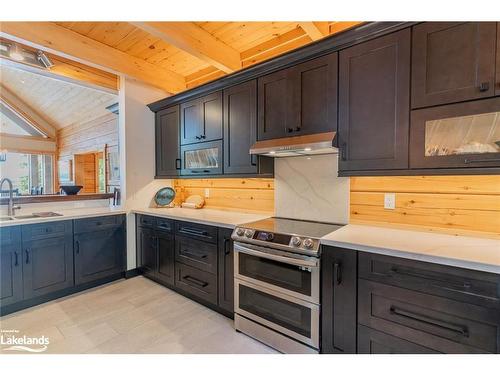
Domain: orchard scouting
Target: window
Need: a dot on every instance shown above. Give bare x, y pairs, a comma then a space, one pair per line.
30, 173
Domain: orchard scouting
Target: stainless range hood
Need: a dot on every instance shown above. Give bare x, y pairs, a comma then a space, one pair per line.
314, 144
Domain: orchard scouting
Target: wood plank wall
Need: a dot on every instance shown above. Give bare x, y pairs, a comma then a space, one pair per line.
85, 172
450, 204
243, 194
92, 136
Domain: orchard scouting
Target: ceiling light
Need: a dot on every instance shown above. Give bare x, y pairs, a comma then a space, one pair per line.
272, 152
16, 53
307, 149
44, 59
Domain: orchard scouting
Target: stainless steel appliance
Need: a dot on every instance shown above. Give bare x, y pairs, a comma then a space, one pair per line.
277, 282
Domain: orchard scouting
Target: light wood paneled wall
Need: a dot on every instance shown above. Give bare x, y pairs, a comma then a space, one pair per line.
451, 204
243, 194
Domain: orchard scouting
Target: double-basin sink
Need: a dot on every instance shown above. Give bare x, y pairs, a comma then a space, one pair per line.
30, 216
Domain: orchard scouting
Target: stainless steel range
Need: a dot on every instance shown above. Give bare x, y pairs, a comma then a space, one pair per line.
277, 282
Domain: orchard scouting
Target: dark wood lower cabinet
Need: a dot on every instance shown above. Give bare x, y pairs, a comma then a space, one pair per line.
226, 271
11, 267
371, 341
196, 282
338, 301
165, 246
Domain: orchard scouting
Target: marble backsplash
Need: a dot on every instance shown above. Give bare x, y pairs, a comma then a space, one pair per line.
308, 188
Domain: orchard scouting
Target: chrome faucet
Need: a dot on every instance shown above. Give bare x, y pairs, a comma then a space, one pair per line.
10, 208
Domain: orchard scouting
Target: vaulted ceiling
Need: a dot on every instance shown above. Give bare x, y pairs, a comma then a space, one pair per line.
174, 56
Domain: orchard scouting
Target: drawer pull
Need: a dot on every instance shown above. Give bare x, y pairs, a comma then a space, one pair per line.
77, 246
195, 281
194, 232
194, 255
337, 271
27, 252
470, 161
16, 261
428, 320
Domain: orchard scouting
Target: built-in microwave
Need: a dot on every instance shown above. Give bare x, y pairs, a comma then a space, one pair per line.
201, 158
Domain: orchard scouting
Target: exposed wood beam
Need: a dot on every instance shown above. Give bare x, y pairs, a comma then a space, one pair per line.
13, 116
69, 44
26, 144
28, 114
195, 41
315, 30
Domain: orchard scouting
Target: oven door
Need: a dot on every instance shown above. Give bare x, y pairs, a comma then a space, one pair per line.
290, 316
291, 274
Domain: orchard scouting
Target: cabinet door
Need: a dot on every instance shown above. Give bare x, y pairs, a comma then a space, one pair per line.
146, 244
191, 122
47, 265
166, 250
374, 85
452, 62
226, 270
273, 105
240, 128
497, 80
314, 96
211, 117
99, 254
11, 269
168, 162
339, 283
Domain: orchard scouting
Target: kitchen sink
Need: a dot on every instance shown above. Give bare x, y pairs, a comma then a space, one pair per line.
5, 218
30, 216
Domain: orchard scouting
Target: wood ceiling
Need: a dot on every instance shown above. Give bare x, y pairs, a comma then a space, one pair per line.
172, 55
60, 103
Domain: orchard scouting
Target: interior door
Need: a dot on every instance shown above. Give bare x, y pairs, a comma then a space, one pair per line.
452, 62
168, 162
240, 128
374, 88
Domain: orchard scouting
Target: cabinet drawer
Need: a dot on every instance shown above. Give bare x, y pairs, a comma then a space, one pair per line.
164, 224
199, 254
434, 322
371, 341
469, 286
46, 230
146, 221
199, 283
200, 232
98, 223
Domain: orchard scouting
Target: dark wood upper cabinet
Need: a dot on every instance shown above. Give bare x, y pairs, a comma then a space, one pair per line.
338, 301
452, 62
167, 143
374, 107
299, 100
497, 84
201, 119
314, 96
273, 105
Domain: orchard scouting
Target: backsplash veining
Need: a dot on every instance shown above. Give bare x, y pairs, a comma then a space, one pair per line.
308, 188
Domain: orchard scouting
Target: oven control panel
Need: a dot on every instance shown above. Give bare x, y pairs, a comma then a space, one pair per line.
284, 240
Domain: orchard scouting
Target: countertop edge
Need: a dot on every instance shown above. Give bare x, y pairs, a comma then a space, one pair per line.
71, 216
454, 262
179, 218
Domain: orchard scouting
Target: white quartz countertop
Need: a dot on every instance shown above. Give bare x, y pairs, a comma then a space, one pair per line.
67, 214
227, 219
475, 253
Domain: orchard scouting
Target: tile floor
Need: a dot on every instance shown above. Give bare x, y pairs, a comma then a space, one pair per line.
131, 316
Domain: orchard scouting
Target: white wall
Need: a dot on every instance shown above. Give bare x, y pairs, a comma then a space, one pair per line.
308, 188
137, 158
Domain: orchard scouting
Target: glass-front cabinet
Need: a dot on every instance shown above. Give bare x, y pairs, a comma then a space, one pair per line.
202, 158
456, 136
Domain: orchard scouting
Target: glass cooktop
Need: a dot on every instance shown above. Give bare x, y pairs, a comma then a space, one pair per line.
311, 229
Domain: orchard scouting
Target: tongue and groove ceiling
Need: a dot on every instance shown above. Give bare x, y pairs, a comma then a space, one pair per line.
173, 55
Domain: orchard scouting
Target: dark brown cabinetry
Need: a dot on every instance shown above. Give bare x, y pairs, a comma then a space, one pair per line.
374, 85
226, 271
168, 163
497, 80
338, 301
201, 119
452, 62
299, 100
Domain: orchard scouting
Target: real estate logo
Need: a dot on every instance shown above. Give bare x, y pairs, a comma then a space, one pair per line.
11, 340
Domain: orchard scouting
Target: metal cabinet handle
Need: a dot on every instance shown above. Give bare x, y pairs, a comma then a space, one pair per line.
484, 86
194, 255
203, 136
203, 171
337, 272
253, 160
195, 281
27, 252
470, 161
77, 247
298, 129
193, 231
428, 320
197, 137
343, 151
177, 163
289, 130
16, 261
227, 251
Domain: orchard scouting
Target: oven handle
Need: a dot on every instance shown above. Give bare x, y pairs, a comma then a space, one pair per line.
263, 253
